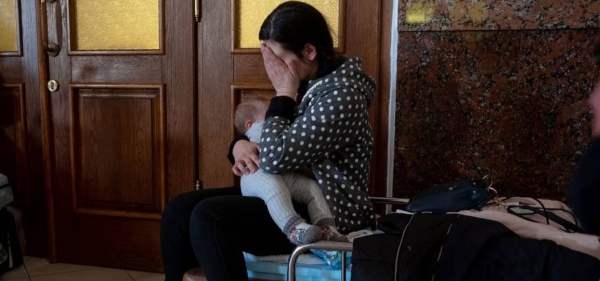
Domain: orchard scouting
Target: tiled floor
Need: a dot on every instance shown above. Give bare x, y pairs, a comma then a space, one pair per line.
37, 269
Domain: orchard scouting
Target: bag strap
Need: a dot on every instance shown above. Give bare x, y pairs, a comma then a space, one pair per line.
548, 215
490, 188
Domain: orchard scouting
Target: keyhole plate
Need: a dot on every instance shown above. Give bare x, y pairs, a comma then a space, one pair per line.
52, 85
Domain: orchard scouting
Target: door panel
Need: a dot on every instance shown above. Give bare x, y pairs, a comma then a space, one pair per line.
12, 139
121, 151
250, 70
12, 100
234, 64
11, 69
118, 151
117, 238
101, 69
20, 124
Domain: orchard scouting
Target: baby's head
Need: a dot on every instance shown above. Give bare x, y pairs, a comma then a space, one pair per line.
248, 112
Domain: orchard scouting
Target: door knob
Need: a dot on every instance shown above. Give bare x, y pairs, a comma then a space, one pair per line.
52, 85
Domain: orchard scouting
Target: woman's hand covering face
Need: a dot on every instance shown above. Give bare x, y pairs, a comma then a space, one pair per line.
283, 74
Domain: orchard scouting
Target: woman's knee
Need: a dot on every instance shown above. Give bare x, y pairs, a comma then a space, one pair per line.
201, 212
203, 218
176, 207
179, 210
229, 210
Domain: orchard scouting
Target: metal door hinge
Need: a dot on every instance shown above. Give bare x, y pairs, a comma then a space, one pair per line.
198, 185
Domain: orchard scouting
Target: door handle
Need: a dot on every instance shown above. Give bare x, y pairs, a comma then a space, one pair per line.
51, 48
197, 10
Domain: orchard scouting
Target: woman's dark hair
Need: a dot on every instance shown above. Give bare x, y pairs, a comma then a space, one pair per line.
294, 24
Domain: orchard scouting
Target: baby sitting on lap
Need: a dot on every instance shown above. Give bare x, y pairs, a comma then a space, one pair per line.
278, 190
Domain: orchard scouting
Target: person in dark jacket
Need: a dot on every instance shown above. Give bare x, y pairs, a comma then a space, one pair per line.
453, 247
584, 191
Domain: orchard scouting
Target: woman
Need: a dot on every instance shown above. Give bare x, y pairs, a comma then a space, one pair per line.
318, 119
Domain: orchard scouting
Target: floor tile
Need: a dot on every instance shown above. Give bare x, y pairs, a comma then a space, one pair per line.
100, 274
146, 276
17, 273
39, 266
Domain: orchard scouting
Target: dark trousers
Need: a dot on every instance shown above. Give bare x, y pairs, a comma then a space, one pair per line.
212, 228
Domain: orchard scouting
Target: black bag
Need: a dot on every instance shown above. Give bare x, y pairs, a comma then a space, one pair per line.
451, 197
10, 250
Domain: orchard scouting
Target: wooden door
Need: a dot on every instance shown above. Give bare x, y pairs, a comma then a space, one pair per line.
20, 123
232, 70
120, 126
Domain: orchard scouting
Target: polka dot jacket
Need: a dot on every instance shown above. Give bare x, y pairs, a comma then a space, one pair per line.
330, 132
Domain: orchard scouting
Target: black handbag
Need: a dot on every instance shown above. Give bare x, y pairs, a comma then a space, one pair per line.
452, 197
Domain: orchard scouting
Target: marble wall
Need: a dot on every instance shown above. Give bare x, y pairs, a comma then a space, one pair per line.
494, 88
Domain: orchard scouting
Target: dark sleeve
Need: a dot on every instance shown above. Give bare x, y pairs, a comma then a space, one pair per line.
235, 140
281, 106
584, 192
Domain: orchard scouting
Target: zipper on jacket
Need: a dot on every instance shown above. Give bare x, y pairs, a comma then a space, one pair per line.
400, 247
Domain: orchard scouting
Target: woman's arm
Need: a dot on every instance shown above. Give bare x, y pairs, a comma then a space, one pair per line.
232, 145
329, 125
243, 154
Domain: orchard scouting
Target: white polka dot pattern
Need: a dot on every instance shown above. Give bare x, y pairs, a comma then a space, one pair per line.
331, 133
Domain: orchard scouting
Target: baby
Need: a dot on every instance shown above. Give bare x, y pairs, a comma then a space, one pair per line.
278, 190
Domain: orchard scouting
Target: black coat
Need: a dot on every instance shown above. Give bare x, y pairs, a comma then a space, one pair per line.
454, 247
584, 191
